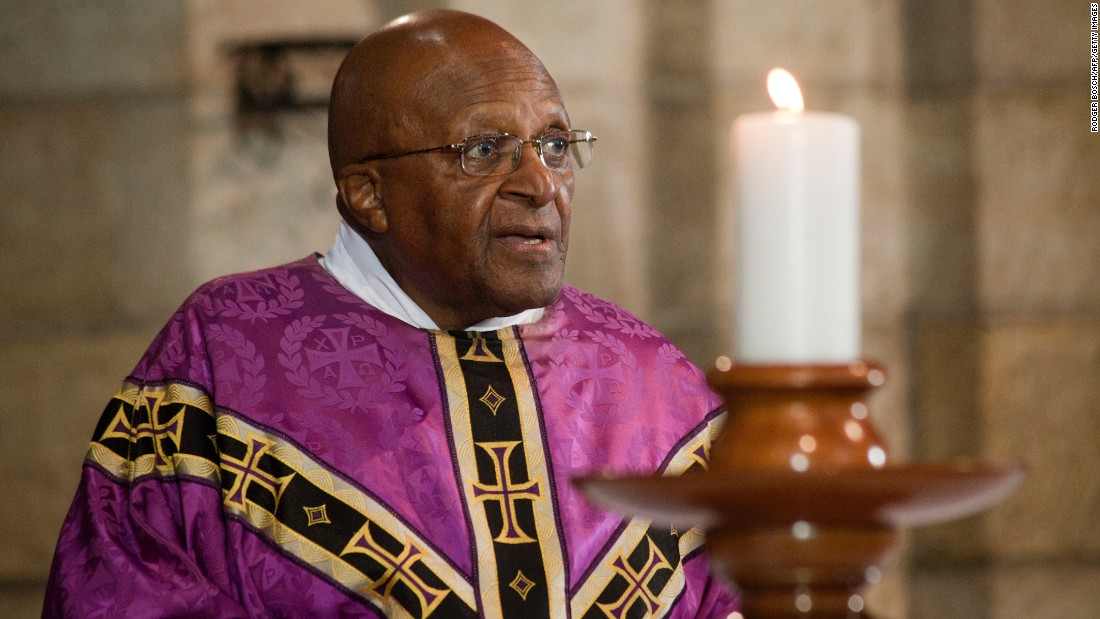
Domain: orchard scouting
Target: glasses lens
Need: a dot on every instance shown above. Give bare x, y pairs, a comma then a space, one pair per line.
554, 148
563, 149
485, 155
581, 144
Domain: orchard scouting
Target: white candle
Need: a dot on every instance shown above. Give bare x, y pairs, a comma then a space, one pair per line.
798, 234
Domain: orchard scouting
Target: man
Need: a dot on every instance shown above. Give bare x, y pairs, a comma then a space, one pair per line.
392, 429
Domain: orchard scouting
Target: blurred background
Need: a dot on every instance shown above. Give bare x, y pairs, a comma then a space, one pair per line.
149, 145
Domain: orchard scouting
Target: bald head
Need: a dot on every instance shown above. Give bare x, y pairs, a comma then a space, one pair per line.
464, 246
400, 80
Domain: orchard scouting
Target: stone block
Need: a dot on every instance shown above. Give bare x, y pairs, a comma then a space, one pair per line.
58, 214
819, 41
939, 132
1038, 217
946, 387
262, 195
215, 26
1049, 589
53, 48
1018, 43
943, 203
1046, 590
884, 205
682, 214
1040, 397
694, 335
683, 218
591, 43
947, 378
95, 215
151, 261
678, 48
938, 47
941, 592
22, 602
55, 391
262, 191
607, 242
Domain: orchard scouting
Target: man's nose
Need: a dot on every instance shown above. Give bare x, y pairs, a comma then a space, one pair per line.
532, 181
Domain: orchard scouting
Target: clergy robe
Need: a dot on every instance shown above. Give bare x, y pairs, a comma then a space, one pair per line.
284, 449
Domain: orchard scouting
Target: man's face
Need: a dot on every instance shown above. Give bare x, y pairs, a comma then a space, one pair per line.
467, 248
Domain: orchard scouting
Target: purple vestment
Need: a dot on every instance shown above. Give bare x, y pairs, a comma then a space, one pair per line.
285, 450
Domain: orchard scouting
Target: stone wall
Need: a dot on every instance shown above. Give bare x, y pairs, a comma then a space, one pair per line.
93, 132
128, 179
127, 182
1005, 320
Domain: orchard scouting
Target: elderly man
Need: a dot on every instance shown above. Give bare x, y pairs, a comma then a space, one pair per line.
391, 430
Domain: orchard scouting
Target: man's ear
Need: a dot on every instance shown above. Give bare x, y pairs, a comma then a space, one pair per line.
359, 189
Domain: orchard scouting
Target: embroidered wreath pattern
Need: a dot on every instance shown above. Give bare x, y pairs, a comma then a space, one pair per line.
276, 294
250, 365
609, 316
391, 380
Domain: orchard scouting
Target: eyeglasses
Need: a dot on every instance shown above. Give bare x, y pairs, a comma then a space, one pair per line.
493, 154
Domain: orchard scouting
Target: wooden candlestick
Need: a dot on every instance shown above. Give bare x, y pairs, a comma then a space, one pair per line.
797, 417
799, 502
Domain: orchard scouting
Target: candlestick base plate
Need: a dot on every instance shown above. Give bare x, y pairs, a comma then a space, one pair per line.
804, 544
893, 496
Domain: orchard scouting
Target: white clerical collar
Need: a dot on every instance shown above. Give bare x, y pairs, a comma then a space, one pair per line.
353, 263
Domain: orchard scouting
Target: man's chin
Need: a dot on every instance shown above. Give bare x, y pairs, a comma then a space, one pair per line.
514, 302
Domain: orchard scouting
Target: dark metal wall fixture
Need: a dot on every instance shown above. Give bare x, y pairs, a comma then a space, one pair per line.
286, 75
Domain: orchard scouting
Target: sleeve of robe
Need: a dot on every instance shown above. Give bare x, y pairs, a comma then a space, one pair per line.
718, 601
145, 545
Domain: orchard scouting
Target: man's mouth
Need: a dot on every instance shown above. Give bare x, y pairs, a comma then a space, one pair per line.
533, 237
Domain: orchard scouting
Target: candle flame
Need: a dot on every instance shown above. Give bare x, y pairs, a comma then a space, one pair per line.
784, 91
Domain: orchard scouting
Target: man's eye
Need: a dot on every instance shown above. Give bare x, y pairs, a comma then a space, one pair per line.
481, 149
555, 145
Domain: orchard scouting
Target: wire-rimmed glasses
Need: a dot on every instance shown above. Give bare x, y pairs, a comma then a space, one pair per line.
492, 154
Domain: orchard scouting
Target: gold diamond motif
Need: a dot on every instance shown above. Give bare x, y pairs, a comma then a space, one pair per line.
492, 399
316, 515
522, 585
